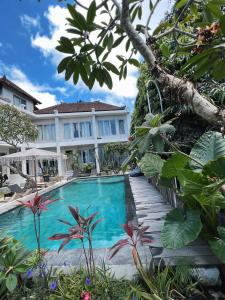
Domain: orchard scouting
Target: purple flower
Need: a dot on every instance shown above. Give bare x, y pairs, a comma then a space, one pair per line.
88, 281
134, 298
29, 273
53, 285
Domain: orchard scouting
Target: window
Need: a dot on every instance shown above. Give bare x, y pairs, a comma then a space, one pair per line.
121, 127
67, 132
82, 130
17, 101
113, 127
46, 132
75, 130
107, 128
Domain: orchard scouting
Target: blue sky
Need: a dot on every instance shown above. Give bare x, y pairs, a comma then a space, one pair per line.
29, 34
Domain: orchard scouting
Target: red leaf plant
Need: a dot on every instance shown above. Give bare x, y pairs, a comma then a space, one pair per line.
83, 229
37, 205
136, 236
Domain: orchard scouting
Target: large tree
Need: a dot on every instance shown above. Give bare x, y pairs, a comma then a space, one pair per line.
16, 128
93, 39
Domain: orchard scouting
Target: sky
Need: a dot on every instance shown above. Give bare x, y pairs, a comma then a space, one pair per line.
29, 33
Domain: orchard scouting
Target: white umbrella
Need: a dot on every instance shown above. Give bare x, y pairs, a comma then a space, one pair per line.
31, 154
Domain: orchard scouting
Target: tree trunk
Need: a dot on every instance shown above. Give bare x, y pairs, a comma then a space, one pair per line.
30, 183
183, 89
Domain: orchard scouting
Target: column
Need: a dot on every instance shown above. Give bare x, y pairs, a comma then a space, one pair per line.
94, 126
58, 148
24, 162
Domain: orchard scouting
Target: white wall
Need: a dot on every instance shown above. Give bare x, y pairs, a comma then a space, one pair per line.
6, 93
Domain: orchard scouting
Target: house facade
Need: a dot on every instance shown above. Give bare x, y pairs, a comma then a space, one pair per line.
68, 128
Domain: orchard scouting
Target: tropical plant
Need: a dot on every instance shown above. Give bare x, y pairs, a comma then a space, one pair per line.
113, 154
36, 206
78, 285
13, 263
201, 177
82, 230
150, 137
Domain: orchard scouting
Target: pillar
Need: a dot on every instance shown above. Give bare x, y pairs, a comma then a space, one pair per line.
58, 148
98, 169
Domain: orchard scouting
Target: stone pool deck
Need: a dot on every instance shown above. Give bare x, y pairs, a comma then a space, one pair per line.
151, 210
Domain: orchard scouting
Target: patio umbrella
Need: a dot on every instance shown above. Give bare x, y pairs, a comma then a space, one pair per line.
32, 154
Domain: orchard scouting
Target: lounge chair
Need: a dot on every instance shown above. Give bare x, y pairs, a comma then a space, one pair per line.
16, 192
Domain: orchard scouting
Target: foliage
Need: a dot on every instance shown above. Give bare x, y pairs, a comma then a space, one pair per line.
113, 153
200, 192
10, 132
103, 286
181, 227
151, 164
209, 147
13, 263
218, 244
82, 230
150, 137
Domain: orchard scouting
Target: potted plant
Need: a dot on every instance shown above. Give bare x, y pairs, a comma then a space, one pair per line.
87, 167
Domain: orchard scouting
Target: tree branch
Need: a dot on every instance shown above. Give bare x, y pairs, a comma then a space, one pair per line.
137, 41
149, 18
170, 31
185, 89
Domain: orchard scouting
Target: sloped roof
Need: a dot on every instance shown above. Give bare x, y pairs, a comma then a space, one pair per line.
9, 84
79, 107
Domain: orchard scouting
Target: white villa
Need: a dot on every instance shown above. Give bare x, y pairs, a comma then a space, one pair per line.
67, 127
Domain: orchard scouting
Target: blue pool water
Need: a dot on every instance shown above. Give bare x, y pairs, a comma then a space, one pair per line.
105, 195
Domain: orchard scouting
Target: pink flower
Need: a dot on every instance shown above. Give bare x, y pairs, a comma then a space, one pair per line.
86, 296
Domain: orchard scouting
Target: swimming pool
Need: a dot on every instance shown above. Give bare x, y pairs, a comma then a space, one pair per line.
105, 195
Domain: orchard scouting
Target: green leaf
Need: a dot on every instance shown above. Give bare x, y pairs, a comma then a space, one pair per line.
217, 245
151, 164
65, 45
83, 73
193, 182
62, 65
118, 41
180, 4
215, 168
107, 79
110, 67
134, 62
79, 18
110, 41
181, 227
87, 47
210, 146
69, 69
76, 74
91, 13
11, 282
173, 165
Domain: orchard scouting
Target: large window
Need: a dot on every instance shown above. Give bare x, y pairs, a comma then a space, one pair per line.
46, 132
109, 127
17, 101
82, 130
67, 131
121, 127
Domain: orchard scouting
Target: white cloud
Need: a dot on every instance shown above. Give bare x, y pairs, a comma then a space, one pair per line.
30, 22
40, 92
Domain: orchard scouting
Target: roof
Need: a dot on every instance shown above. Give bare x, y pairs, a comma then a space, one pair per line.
8, 83
79, 107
